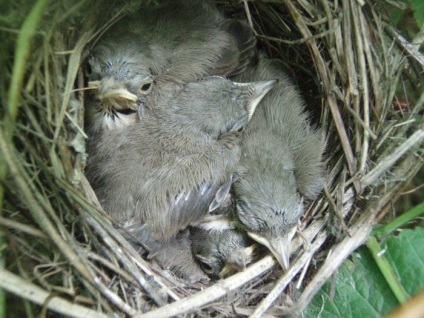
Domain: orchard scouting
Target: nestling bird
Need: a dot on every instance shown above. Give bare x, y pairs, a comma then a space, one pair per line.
221, 252
167, 172
176, 256
180, 41
281, 163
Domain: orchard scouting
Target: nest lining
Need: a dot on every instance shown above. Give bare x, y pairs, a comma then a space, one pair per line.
58, 240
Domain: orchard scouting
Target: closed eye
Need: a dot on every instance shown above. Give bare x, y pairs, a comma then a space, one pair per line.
125, 111
207, 268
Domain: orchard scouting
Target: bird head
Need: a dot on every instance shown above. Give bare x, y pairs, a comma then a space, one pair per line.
207, 255
227, 105
269, 209
118, 81
237, 260
221, 252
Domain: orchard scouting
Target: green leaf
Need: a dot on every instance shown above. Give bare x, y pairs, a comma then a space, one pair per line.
418, 11
386, 270
396, 15
406, 255
361, 290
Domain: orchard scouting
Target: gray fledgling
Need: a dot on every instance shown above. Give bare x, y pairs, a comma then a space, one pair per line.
171, 169
281, 163
180, 41
221, 252
176, 256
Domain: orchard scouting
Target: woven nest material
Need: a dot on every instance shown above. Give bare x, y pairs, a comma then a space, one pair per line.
62, 251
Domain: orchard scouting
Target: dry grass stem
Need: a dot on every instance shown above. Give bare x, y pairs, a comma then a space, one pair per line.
23, 288
284, 280
415, 140
216, 291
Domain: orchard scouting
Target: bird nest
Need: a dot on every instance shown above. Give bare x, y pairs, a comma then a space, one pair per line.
61, 251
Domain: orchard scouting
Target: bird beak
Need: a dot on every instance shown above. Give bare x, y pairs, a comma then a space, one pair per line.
260, 90
279, 246
120, 93
109, 89
238, 263
227, 269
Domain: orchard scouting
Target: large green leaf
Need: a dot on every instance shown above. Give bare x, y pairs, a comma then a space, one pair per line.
406, 255
418, 11
361, 290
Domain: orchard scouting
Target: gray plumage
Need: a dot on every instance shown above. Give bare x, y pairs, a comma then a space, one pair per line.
177, 41
176, 256
281, 163
168, 171
221, 252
